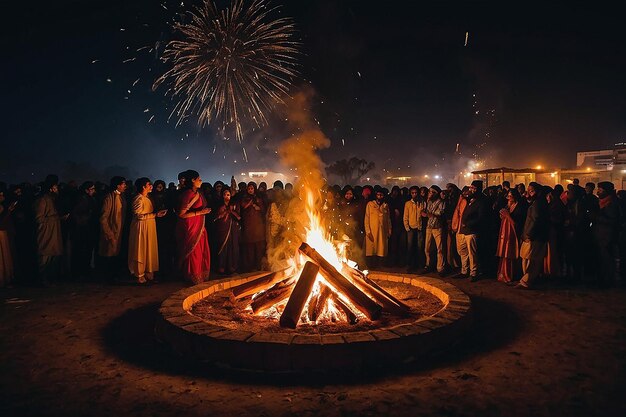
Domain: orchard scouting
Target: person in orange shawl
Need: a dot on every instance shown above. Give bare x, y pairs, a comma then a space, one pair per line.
456, 228
512, 221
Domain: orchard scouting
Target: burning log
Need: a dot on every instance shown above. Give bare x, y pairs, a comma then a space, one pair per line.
316, 304
352, 318
301, 292
279, 292
360, 300
389, 302
261, 283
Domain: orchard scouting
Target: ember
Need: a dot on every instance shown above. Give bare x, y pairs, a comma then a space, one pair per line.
320, 288
221, 309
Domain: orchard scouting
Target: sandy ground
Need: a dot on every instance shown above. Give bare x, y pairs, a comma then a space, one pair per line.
88, 349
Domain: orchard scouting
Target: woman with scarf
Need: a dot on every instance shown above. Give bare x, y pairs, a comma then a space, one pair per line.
253, 244
227, 232
143, 247
512, 218
194, 259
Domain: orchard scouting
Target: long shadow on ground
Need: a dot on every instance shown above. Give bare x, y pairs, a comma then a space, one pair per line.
131, 338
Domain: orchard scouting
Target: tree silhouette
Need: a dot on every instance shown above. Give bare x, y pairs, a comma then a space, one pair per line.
350, 170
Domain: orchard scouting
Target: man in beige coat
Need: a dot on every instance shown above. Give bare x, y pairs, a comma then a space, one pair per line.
49, 238
377, 230
112, 219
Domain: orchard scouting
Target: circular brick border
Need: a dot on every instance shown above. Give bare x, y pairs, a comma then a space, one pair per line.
290, 351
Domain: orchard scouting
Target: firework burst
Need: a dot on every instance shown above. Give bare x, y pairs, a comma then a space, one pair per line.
230, 67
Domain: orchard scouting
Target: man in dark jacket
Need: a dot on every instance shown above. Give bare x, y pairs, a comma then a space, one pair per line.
534, 236
473, 223
605, 231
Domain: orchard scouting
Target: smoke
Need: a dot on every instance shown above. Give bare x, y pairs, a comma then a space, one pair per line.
299, 153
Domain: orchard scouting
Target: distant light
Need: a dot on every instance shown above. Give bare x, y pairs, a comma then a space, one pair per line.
588, 169
437, 177
538, 167
425, 176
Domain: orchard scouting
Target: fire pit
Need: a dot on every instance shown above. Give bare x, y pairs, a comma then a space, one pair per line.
391, 336
316, 310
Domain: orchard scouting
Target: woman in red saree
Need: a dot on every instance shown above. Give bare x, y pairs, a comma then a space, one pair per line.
194, 255
512, 218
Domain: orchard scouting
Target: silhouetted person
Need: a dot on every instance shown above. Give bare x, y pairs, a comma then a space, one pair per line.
112, 219
49, 238
83, 231
534, 237
605, 232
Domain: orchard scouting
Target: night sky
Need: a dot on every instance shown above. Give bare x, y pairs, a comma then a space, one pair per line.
394, 82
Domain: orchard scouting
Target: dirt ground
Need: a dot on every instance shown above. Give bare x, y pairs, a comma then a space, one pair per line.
88, 350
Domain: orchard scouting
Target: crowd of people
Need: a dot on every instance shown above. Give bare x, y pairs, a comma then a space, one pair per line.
130, 231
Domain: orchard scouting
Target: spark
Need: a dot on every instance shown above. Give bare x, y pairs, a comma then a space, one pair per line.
187, 157
230, 66
151, 117
128, 60
94, 61
109, 80
136, 81
146, 110
343, 142
359, 74
122, 30
466, 38
245, 154
214, 148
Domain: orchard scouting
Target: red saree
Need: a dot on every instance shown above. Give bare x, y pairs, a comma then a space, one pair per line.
508, 249
194, 256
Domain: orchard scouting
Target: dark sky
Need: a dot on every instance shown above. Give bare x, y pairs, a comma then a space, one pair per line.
547, 81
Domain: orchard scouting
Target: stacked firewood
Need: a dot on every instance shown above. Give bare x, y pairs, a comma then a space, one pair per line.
351, 285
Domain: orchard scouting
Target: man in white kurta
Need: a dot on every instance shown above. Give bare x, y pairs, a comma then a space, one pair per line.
377, 227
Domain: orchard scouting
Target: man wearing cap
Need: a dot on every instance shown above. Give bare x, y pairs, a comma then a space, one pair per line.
534, 237
605, 232
473, 224
434, 211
